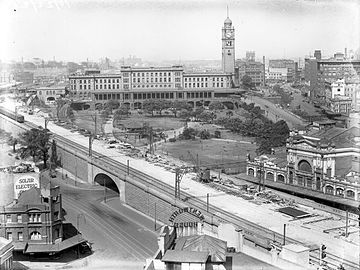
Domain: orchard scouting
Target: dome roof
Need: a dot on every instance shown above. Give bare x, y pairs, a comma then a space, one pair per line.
228, 21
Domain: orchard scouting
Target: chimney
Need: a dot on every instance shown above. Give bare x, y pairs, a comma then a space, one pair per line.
346, 53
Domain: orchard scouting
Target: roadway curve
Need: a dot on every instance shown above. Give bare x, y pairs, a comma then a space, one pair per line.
275, 113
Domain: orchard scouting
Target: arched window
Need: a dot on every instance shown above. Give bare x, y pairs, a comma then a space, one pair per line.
350, 194
270, 176
280, 178
35, 235
305, 166
329, 190
339, 192
251, 171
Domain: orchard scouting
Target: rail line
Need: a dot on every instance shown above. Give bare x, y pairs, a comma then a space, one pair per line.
253, 232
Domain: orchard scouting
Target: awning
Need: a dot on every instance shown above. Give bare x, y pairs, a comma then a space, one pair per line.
295, 213
50, 248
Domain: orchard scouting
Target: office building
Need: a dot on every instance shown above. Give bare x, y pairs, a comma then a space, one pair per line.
285, 66
319, 72
251, 68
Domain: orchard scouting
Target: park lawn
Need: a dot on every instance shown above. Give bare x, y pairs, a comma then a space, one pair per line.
212, 151
86, 120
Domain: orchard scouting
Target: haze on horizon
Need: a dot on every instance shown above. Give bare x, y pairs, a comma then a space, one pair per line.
174, 30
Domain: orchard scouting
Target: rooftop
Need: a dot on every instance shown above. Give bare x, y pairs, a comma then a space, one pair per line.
20, 168
215, 248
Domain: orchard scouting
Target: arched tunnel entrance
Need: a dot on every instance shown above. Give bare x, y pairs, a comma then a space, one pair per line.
107, 182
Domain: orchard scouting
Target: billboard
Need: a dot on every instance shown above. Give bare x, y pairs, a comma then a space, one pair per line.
25, 181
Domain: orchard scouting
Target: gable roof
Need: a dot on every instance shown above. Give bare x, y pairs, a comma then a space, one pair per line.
203, 243
182, 256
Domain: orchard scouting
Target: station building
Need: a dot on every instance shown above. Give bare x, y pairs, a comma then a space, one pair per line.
324, 161
132, 85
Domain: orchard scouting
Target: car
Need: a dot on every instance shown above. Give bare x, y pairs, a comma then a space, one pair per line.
85, 247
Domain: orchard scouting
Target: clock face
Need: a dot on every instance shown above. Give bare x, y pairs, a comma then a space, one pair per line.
229, 34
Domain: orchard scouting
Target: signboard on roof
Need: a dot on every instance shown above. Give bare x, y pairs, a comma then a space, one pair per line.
26, 181
186, 217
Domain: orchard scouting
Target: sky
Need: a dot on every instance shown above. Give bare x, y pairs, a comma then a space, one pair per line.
74, 30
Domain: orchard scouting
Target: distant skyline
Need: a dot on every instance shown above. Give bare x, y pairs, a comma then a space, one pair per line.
174, 30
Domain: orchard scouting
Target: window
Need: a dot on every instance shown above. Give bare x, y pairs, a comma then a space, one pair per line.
34, 217
9, 235
20, 236
19, 218
35, 236
8, 218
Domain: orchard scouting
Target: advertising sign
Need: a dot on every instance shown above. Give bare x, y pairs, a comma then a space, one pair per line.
23, 182
186, 217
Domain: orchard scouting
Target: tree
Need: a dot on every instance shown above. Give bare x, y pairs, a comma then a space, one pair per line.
163, 104
112, 104
36, 144
207, 116
59, 104
12, 141
204, 134
246, 81
185, 114
179, 105
151, 105
122, 111
198, 111
216, 106
188, 133
229, 114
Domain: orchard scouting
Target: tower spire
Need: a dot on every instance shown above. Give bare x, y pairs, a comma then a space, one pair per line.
227, 11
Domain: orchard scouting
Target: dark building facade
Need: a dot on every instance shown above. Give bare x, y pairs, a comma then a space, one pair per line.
36, 218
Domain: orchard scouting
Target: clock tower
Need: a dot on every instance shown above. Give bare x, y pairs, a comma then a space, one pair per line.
228, 47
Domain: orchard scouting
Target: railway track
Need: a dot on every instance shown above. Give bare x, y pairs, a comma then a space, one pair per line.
252, 232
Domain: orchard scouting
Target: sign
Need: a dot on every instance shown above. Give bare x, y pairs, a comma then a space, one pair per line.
23, 182
186, 217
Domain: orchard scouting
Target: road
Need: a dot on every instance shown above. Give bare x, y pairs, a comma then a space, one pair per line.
298, 99
258, 216
275, 113
120, 236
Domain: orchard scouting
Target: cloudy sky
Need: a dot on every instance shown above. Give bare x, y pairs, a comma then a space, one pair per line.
173, 29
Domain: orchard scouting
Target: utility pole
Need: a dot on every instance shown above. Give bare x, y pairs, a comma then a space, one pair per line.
177, 183
207, 202
47, 120
128, 166
91, 139
155, 216
104, 190
284, 236
346, 223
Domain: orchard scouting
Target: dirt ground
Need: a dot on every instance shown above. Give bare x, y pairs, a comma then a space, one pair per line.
230, 148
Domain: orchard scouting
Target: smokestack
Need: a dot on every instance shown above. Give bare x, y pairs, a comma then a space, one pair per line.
346, 53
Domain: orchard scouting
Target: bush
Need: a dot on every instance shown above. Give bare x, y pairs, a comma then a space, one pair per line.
172, 140
204, 135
